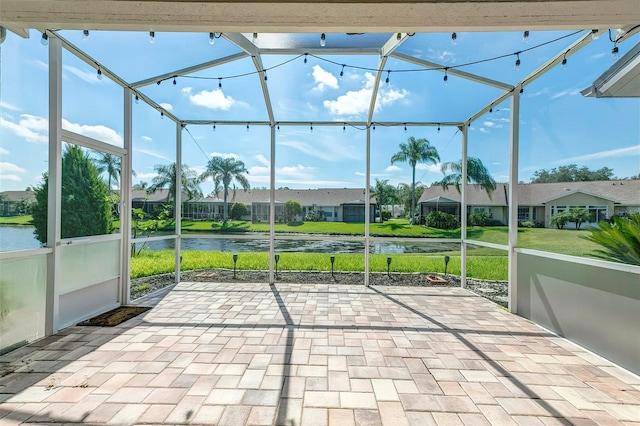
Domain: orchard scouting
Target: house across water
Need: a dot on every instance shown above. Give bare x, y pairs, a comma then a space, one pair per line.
539, 202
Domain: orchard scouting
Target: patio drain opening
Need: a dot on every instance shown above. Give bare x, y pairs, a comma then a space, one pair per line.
116, 316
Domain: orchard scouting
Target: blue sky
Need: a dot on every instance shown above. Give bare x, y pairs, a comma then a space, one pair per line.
558, 125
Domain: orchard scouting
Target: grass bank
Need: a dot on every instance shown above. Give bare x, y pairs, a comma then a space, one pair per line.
159, 262
16, 220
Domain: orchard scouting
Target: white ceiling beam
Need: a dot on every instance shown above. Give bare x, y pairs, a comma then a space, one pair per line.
319, 16
189, 70
451, 71
242, 43
393, 43
376, 87
325, 123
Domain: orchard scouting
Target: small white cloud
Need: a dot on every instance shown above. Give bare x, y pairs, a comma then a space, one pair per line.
146, 138
393, 168
566, 93
7, 105
166, 106
152, 154
225, 155
483, 130
441, 56
262, 160
433, 168
88, 76
3, 151
630, 151
11, 168
146, 176
214, 99
323, 79
488, 124
13, 178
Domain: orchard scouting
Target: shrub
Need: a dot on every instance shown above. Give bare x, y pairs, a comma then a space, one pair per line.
578, 216
238, 210
479, 219
292, 208
385, 214
620, 241
560, 219
525, 224
442, 220
314, 216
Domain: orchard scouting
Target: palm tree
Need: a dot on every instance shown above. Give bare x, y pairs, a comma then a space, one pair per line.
223, 171
384, 194
477, 173
415, 151
167, 179
109, 164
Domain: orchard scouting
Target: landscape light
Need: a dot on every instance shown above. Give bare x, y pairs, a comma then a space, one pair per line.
389, 266
446, 263
277, 258
235, 259
332, 259
45, 39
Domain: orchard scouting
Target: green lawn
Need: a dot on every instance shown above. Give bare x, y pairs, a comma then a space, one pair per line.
16, 220
159, 262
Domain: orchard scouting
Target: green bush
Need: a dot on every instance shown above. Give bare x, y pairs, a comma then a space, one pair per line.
526, 224
386, 214
292, 208
560, 219
620, 241
314, 216
238, 210
441, 220
479, 219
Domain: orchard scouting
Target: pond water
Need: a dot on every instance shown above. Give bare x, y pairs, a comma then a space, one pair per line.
22, 238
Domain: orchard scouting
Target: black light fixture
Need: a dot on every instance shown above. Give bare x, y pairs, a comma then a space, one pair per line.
85, 34
323, 40
45, 39
446, 263
333, 259
389, 266
235, 260
454, 38
277, 258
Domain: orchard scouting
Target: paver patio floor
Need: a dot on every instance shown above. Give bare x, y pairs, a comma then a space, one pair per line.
235, 354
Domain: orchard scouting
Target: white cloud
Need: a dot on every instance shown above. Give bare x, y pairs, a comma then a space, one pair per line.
373, 175
3, 151
146, 138
323, 79
488, 124
629, 151
393, 168
98, 132
146, 176
433, 168
34, 129
483, 130
214, 99
441, 56
566, 93
7, 105
328, 152
225, 155
356, 102
28, 128
543, 91
14, 178
88, 76
288, 174
11, 168
166, 106
152, 154
262, 160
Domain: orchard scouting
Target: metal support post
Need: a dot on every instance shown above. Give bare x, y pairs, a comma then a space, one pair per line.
513, 202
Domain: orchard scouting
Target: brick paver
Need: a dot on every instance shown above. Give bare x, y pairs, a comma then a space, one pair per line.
307, 354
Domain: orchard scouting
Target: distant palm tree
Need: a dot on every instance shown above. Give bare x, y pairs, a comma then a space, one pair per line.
167, 179
477, 173
109, 164
384, 193
415, 151
223, 171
